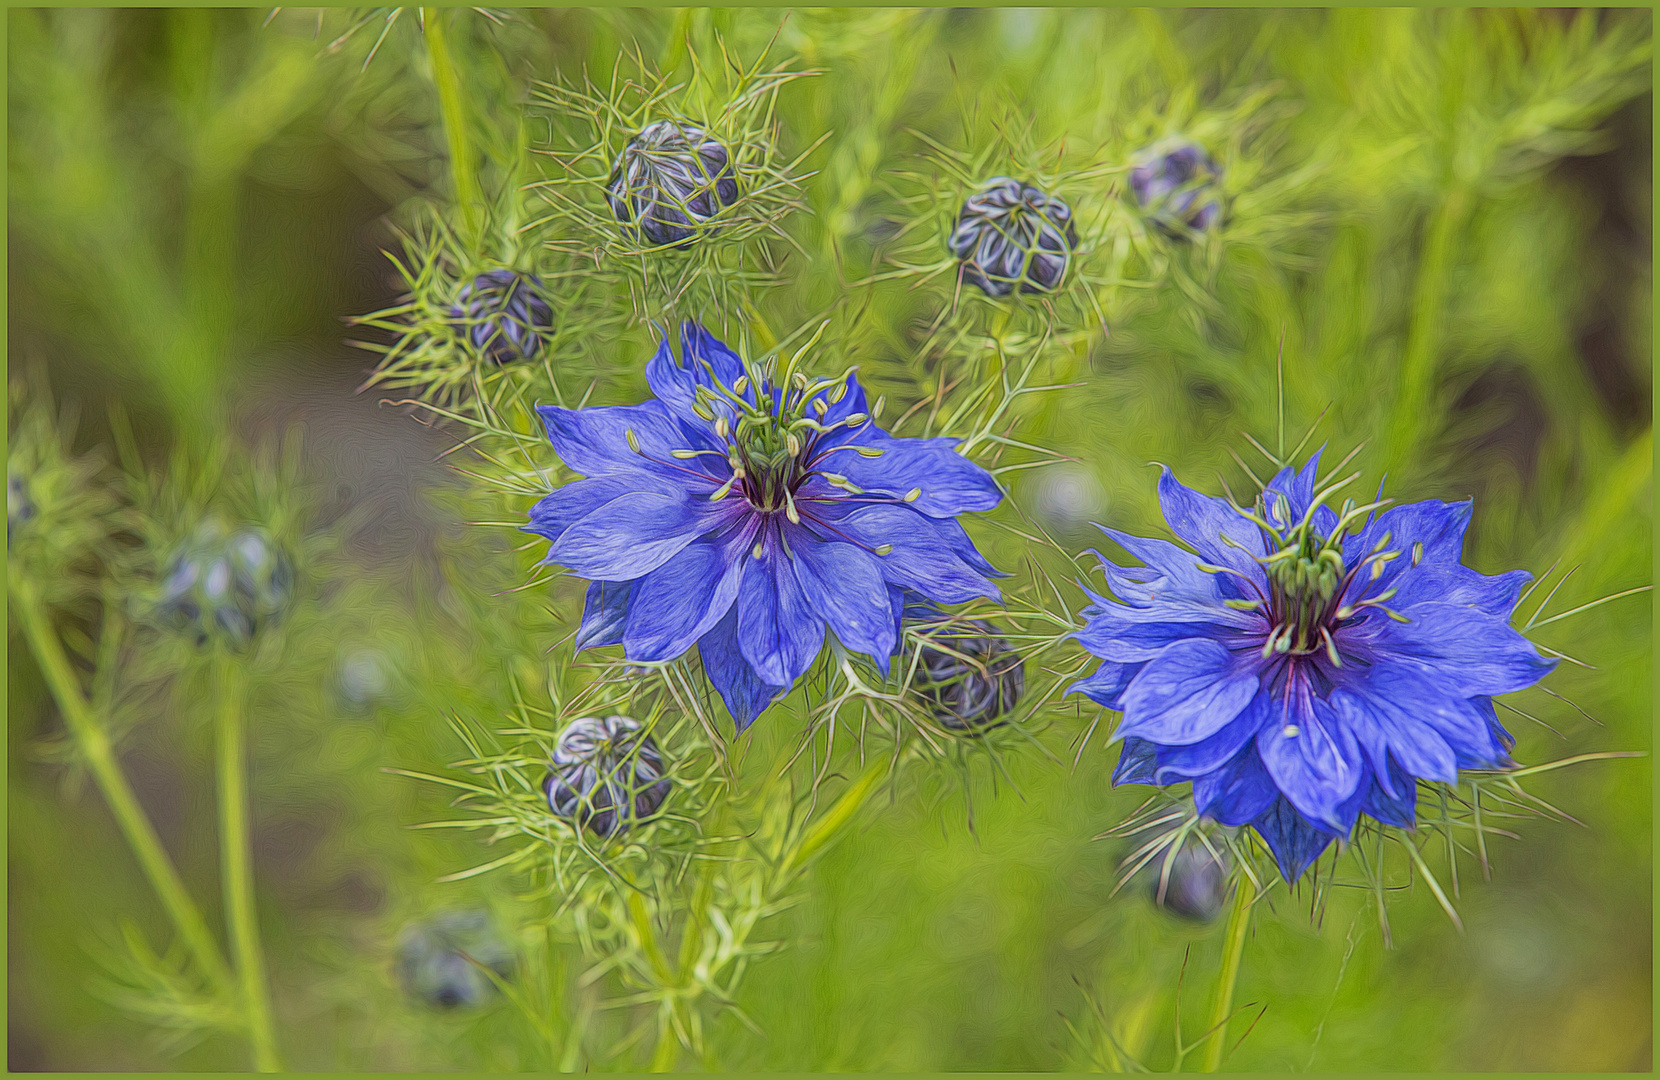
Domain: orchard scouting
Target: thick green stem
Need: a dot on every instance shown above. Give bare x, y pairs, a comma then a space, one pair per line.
1233, 951
95, 746
463, 173
236, 863
1416, 394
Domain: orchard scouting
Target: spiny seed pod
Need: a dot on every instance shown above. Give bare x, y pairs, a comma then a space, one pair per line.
1178, 185
503, 314
606, 774
974, 684
226, 586
441, 961
669, 181
1196, 887
1009, 234
19, 507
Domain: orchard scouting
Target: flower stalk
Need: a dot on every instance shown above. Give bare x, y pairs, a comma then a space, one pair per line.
463, 170
1233, 952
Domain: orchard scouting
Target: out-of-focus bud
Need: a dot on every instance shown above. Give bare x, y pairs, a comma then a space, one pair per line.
441, 960
669, 181
1197, 886
19, 507
606, 774
226, 586
1009, 234
503, 314
1178, 186
974, 685
365, 678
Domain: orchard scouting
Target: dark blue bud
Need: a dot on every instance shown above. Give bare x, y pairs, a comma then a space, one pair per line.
441, 960
1178, 186
1197, 886
1009, 234
972, 691
606, 774
226, 586
20, 508
503, 314
669, 181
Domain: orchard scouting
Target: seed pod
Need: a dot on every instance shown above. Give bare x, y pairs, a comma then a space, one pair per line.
1197, 886
669, 181
439, 959
503, 314
230, 587
1178, 185
606, 775
971, 690
1009, 234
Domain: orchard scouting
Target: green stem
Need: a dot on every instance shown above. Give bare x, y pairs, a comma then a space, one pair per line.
1417, 380
1239, 925
839, 815
452, 108
95, 745
236, 864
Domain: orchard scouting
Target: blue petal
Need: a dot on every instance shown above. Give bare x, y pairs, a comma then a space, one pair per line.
744, 692
1393, 804
1135, 763
1236, 793
632, 535
1468, 651
604, 612
1397, 710
922, 558
1298, 488
1313, 759
778, 632
1295, 841
1107, 684
561, 509
701, 347
1115, 632
680, 601
844, 585
1187, 693
950, 483
1176, 763
594, 442
1202, 520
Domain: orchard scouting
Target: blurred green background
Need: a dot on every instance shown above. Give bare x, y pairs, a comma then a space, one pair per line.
1454, 238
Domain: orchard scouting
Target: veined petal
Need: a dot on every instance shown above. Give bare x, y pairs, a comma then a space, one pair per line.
845, 585
1295, 841
1177, 763
1186, 693
920, 558
1135, 763
778, 631
950, 483
594, 441
1107, 684
1313, 757
1469, 651
745, 693
604, 613
1202, 521
680, 601
630, 536
1238, 792
560, 509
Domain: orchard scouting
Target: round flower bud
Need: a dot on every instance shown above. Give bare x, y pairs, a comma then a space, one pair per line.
669, 181
606, 774
19, 507
974, 684
1177, 185
1197, 886
503, 314
1009, 234
441, 960
227, 586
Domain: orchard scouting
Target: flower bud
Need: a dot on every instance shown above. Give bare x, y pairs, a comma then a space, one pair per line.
606, 774
230, 587
1197, 885
1178, 185
440, 960
970, 691
20, 508
503, 314
1009, 234
669, 181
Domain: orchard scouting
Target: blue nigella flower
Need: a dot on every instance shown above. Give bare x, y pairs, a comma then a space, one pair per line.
1298, 673
744, 516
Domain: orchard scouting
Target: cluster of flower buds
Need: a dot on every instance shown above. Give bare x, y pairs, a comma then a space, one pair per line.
503, 314
1177, 185
976, 683
1196, 886
226, 586
1011, 234
669, 181
607, 775
442, 961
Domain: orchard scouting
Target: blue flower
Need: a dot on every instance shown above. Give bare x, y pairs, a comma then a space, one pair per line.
744, 517
1301, 674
